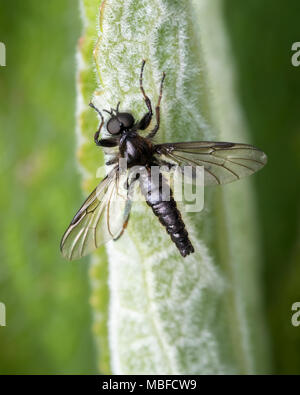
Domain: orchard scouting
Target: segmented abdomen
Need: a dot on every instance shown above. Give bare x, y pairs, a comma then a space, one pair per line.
159, 197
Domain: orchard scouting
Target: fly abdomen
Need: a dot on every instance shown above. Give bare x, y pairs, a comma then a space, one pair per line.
159, 197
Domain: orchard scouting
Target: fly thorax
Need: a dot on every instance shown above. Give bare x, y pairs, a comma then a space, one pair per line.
136, 150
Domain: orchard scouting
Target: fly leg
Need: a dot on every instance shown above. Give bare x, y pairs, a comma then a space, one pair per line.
157, 110
96, 137
145, 121
168, 165
112, 161
102, 142
128, 205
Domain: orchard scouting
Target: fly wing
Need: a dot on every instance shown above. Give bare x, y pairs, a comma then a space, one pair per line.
223, 162
102, 217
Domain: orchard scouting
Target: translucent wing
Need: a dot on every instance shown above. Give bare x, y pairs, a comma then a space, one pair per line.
102, 217
223, 162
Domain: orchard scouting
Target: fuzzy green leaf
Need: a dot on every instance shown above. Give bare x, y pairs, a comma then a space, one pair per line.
168, 314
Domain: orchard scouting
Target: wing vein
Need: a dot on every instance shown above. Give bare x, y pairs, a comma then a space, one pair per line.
75, 242
197, 164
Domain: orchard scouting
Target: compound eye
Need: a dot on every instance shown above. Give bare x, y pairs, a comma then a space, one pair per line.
126, 119
114, 126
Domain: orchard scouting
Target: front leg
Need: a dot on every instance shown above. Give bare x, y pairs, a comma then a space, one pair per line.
96, 137
145, 121
108, 143
157, 110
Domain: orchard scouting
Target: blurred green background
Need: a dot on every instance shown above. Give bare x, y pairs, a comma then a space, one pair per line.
47, 299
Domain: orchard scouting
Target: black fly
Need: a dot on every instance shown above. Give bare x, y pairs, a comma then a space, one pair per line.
105, 213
